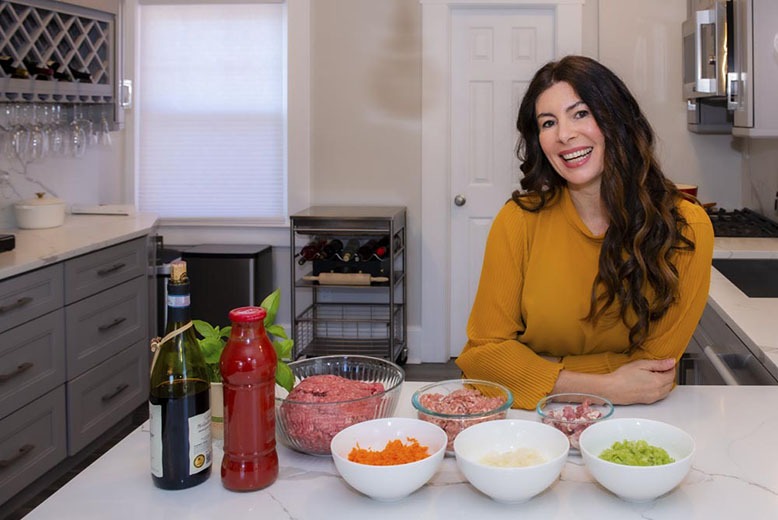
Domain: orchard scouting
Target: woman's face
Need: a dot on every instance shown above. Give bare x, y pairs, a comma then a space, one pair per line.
570, 137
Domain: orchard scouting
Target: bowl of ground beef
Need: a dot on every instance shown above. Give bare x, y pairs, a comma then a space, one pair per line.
332, 393
456, 404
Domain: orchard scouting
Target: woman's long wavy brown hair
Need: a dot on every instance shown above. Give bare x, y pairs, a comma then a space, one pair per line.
645, 226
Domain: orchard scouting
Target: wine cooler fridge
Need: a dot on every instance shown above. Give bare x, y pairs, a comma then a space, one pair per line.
348, 281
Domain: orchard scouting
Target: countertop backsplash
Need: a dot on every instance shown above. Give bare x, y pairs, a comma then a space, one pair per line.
93, 179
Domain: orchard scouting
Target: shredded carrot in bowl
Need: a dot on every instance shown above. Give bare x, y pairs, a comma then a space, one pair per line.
393, 454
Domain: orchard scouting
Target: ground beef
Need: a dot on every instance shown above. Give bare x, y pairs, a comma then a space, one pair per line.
459, 402
312, 427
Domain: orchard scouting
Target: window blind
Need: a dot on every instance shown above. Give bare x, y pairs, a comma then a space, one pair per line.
211, 111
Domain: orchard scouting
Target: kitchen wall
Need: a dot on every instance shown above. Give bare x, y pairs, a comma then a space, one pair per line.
366, 123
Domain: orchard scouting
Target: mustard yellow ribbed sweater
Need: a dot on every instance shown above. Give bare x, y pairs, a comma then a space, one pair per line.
535, 289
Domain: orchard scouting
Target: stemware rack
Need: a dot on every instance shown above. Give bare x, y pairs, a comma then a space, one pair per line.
74, 39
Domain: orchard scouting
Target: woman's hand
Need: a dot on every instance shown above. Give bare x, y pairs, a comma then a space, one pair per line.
644, 381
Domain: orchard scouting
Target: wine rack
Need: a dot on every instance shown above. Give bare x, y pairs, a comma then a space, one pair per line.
340, 318
82, 45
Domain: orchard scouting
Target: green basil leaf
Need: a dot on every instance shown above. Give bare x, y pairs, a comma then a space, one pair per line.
284, 376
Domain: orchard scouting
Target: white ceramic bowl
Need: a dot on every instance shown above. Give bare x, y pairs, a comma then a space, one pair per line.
511, 484
388, 483
39, 213
637, 483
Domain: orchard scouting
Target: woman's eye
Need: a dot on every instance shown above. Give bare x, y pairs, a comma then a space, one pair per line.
546, 124
581, 114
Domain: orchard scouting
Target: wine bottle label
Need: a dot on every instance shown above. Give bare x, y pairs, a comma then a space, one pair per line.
200, 453
155, 426
178, 300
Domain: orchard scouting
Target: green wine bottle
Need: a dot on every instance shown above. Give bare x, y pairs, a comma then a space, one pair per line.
179, 397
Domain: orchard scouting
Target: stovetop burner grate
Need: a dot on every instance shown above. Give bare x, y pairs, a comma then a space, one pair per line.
742, 223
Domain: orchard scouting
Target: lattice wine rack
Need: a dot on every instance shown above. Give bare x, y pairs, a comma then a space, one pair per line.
56, 52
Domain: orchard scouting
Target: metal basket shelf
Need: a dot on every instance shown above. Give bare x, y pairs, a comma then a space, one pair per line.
349, 328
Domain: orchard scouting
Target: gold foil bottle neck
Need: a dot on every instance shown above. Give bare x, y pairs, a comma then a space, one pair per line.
178, 271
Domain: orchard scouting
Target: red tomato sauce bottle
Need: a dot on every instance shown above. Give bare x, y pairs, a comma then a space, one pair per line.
248, 368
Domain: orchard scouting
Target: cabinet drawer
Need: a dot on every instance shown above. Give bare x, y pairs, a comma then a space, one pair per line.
30, 295
105, 324
89, 274
104, 395
32, 360
32, 441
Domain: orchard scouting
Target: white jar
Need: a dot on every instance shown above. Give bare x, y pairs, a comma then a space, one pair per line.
40, 213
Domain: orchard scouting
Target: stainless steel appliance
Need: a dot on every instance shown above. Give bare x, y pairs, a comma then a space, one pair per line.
716, 355
730, 67
707, 48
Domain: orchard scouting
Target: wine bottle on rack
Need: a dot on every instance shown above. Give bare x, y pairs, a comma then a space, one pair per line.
80, 75
366, 250
349, 253
382, 247
331, 248
311, 250
179, 396
14, 71
38, 71
60, 75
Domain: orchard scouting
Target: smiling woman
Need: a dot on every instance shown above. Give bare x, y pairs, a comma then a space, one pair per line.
595, 275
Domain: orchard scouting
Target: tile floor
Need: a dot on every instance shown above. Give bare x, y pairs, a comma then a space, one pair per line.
18, 507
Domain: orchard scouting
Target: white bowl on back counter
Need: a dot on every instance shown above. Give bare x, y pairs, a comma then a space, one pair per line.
40, 213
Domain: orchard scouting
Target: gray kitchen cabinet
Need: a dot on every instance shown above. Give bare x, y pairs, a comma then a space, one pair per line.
25, 297
104, 324
32, 441
32, 357
73, 357
100, 397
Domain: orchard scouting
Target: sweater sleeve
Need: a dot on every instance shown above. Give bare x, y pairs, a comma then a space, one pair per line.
492, 351
669, 336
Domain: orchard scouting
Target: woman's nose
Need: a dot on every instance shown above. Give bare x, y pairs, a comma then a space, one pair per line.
565, 131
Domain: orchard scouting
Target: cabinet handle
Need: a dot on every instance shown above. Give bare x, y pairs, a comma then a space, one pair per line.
115, 322
24, 450
119, 389
720, 366
21, 302
21, 368
112, 269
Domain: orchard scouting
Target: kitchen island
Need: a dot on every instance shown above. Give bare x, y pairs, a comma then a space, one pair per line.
735, 475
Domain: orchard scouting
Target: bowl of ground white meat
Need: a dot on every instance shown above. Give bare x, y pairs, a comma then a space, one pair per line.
332, 393
456, 404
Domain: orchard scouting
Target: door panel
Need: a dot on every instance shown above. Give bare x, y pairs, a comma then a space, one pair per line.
494, 53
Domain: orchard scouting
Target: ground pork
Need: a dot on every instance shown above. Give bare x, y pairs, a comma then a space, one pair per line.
459, 402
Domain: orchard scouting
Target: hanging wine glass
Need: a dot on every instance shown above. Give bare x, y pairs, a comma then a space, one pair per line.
38, 146
78, 134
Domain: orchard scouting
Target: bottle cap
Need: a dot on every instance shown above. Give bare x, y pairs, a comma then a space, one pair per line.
247, 314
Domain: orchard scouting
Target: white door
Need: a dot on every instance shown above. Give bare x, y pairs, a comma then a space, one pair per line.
494, 54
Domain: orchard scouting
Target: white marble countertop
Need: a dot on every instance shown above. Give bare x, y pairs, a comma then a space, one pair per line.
754, 320
78, 235
735, 475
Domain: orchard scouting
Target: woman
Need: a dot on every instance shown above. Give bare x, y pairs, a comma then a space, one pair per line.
596, 274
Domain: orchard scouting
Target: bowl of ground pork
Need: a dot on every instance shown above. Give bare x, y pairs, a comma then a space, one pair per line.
332, 393
456, 404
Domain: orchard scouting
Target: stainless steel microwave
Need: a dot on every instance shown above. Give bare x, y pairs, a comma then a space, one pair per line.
708, 41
